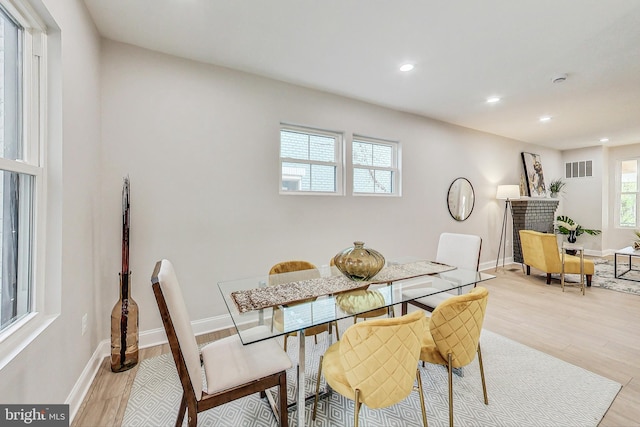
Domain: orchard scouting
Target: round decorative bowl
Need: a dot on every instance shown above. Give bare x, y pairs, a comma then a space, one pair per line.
359, 263
359, 301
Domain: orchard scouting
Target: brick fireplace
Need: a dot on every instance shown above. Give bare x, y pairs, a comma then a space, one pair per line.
531, 214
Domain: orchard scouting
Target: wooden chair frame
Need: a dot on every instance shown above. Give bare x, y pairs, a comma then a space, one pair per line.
189, 402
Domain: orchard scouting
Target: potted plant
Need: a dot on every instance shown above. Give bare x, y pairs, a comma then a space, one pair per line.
572, 229
636, 243
556, 187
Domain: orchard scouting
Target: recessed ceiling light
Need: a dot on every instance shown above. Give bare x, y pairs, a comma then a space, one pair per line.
604, 139
545, 118
406, 67
493, 99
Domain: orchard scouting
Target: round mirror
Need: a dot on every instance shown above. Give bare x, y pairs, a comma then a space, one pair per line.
460, 199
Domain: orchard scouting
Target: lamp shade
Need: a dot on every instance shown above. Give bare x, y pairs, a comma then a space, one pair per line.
508, 192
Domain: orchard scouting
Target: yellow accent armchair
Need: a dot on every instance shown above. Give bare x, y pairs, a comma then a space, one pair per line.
540, 250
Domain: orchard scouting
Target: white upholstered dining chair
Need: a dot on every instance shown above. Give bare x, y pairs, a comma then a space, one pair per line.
232, 370
458, 250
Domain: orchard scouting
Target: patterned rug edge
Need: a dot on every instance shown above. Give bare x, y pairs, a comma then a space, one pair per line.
512, 371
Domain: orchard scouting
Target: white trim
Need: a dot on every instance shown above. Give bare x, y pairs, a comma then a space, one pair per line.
82, 385
394, 169
22, 12
17, 337
203, 326
147, 339
337, 163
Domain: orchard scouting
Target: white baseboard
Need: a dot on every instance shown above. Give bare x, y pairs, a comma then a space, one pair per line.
146, 339
81, 387
491, 265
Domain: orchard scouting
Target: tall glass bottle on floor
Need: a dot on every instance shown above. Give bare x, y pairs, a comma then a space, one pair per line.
124, 316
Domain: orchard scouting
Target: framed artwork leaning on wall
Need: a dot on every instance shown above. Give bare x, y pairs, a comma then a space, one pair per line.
534, 175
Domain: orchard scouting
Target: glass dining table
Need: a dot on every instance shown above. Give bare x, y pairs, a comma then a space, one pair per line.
328, 296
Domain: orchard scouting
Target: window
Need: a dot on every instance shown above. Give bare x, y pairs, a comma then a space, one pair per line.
310, 161
628, 193
375, 166
20, 168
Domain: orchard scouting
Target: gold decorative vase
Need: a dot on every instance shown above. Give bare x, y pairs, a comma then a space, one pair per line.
359, 263
359, 301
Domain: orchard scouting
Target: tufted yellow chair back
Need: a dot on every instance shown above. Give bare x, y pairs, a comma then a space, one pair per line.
291, 266
456, 324
380, 356
540, 250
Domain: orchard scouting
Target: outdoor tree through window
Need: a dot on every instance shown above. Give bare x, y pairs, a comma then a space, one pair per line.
628, 202
375, 166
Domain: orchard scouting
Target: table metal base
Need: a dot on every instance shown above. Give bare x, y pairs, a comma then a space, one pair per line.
615, 267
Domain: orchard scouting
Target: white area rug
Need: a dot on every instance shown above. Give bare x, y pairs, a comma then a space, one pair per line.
525, 387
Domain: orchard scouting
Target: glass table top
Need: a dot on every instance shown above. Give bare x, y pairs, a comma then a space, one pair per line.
286, 318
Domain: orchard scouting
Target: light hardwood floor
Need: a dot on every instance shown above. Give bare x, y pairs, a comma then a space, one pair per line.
599, 332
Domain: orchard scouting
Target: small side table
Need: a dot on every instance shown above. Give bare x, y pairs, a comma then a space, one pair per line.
573, 247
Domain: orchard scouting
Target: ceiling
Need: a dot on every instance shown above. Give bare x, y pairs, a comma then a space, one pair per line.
464, 51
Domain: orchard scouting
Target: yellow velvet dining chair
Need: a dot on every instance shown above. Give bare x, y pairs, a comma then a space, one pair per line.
232, 370
375, 363
452, 336
278, 314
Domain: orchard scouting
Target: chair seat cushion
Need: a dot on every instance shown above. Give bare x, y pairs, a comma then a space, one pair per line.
572, 265
433, 300
229, 363
429, 300
429, 351
334, 373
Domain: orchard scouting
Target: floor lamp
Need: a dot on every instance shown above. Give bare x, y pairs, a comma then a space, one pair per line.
506, 193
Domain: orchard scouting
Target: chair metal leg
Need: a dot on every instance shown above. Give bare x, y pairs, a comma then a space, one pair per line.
422, 405
285, 342
484, 385
315, 399
404, 308
356, 408
450, 371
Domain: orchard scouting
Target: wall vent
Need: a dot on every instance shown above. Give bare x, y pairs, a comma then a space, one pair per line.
581, 169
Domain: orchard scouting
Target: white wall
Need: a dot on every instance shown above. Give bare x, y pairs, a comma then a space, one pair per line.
200, 144
47, 370
582, 198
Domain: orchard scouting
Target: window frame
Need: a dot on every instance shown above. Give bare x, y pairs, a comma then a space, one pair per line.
44, 305
620, 193
395, 168
338, 162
